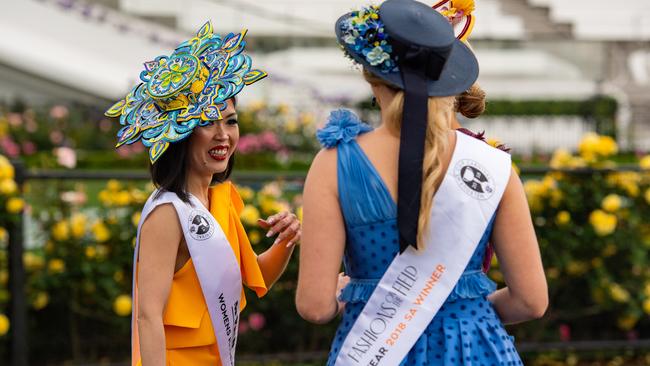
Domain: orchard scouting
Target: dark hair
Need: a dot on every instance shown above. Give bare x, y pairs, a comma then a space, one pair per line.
169, 172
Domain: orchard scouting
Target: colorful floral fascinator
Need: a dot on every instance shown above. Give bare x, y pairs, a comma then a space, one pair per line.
364, 33
185, 90
459, 14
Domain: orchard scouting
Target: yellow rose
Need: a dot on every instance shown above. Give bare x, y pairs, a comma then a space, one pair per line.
644, 163
8, 186
246, 193
596, 262
15, 205
56, 265
646, 306
4, 324
105, 197
602, 222
299, 213
61, 231
101, 232
138, 196
611, 203
113, 185
609, 250
561, 159
135, 218
6, 169
646, 289
618, 293
102, 251
562, 218
647, 195
576, 268
118, 276
3, 235
122, 198
254, 237
122, 305
41, 300
78, 225
91, 252
33, 262
249, 215
627, 322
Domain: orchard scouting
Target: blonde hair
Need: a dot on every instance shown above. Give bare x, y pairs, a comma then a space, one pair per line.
471, 103
440, 116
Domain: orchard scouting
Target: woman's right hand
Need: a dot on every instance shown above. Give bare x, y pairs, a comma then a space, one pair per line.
343, 281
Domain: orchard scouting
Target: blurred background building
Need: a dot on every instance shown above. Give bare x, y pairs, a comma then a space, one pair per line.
92, 51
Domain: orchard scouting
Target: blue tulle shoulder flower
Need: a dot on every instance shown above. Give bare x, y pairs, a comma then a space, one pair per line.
342, 125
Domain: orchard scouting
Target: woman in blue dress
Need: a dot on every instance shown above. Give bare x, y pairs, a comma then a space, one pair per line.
352, 199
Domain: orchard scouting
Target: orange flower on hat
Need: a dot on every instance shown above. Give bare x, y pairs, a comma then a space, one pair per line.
458, 9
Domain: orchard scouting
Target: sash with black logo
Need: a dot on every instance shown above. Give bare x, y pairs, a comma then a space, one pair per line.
418, 282
216, 267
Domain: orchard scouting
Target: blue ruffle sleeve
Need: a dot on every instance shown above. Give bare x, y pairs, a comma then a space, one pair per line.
342, 126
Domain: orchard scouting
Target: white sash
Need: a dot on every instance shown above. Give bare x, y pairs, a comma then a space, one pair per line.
417, 283
215, 264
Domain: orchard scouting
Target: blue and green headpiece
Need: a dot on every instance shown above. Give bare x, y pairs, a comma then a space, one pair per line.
185, 90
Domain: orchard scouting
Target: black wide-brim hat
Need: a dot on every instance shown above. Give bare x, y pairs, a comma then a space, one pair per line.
413, 23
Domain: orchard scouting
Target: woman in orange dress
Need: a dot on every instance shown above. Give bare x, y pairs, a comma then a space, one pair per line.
192, 254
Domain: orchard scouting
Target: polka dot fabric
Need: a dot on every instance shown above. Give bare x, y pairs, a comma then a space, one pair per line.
466, 330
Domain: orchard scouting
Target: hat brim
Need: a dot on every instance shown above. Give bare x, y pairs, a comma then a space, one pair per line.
459, 73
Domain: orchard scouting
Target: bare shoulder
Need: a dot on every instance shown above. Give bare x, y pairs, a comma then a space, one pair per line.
324, 163
162, 222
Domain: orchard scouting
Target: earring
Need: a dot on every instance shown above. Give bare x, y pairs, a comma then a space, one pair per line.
374, 101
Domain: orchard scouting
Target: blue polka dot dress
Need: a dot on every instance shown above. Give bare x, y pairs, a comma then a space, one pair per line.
466, 330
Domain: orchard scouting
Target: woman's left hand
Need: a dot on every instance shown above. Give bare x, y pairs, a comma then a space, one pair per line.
284, 223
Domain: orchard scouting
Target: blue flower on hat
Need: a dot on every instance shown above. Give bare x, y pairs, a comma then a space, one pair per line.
365, 35
377, 56
342, 126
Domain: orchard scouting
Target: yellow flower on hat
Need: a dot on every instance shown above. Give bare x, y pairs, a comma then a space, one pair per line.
459, 8
122, 305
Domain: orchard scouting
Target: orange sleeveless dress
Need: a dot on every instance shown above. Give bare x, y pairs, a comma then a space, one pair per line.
189, 334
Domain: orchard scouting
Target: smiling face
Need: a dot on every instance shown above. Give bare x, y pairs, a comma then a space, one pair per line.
211, 147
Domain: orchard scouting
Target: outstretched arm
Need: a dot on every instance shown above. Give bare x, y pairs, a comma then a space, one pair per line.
274, 260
